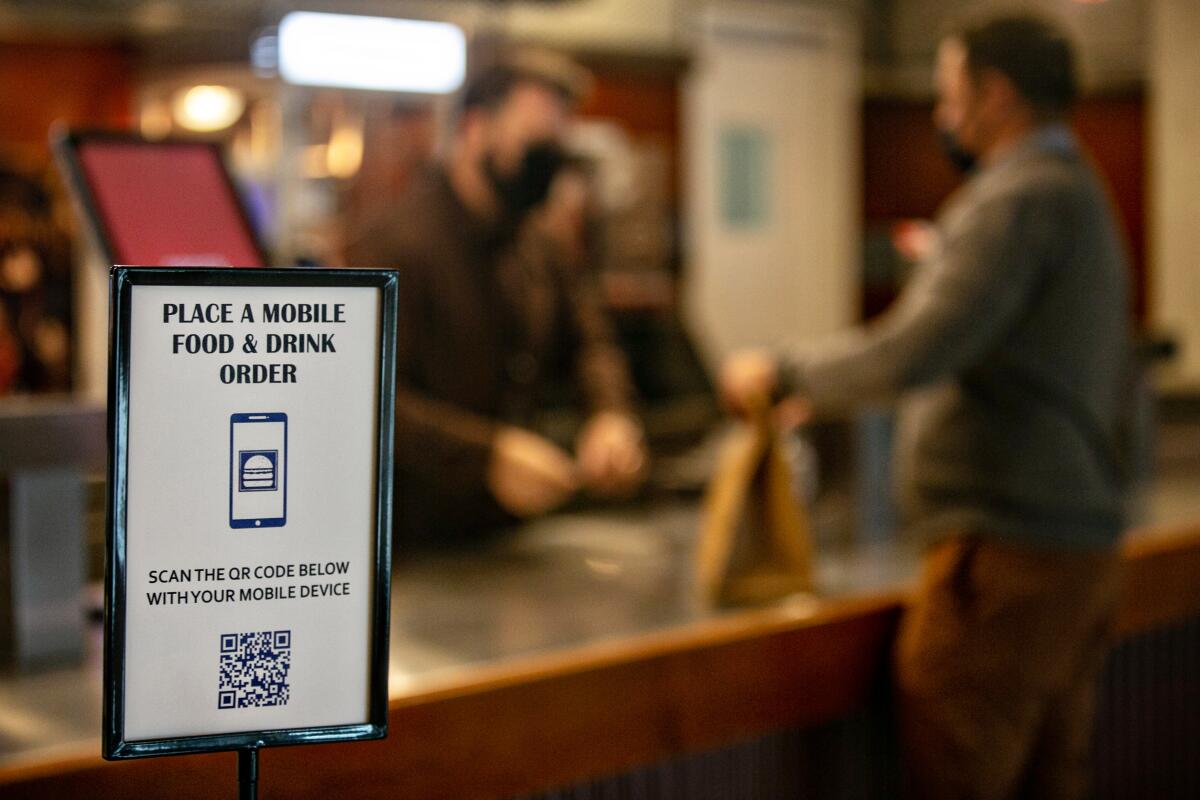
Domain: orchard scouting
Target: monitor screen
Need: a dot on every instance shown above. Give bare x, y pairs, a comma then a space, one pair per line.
163, 203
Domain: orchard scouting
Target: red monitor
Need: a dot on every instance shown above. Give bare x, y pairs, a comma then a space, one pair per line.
166, 203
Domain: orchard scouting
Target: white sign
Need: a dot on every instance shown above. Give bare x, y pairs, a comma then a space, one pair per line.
252, 512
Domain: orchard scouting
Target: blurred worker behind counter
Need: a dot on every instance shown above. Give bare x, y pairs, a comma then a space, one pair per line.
1012, 343
488, 313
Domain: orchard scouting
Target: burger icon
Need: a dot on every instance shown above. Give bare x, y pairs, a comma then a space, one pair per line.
258, 470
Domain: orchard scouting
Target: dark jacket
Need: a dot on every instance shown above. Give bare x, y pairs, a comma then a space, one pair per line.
1014, 337
485, 320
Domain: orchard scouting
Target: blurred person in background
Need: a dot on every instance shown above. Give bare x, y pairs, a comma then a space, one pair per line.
35, 293
488, 313
1011, 345
567, 217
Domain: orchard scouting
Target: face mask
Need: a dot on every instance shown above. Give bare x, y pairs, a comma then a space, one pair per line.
528, 186
962, 159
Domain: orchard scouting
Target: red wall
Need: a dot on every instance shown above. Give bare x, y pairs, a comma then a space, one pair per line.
905, 174
1114, 131
645, 102
82, 84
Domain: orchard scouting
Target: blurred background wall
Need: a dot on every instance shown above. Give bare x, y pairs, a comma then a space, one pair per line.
751, 159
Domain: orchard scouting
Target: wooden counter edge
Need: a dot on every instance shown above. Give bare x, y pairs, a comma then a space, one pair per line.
1162, 577
541, 721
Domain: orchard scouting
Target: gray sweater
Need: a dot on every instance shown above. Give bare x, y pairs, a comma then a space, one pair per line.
1011, 347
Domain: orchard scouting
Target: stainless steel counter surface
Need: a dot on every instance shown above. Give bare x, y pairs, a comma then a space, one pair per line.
550, 587
576, 579
553, 585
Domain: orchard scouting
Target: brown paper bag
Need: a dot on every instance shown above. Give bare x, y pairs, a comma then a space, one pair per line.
755, 541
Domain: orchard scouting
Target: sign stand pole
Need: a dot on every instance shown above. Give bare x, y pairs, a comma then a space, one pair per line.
247, 770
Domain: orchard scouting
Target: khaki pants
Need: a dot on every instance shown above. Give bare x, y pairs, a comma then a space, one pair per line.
996, 668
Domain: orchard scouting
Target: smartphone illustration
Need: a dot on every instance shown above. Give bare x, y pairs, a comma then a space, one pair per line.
258, 470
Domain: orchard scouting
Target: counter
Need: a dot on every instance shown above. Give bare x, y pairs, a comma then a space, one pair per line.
574, 649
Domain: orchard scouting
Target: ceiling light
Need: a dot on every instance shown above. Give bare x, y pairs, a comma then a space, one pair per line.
357, 52
208, 108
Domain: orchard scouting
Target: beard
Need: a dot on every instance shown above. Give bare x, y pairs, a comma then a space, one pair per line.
959, 156
529, 184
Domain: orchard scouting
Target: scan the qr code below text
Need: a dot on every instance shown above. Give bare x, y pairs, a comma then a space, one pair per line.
254, 669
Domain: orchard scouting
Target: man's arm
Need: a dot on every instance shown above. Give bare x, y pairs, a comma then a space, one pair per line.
601, 368
466, 452
432, 436
610, 449
959, 306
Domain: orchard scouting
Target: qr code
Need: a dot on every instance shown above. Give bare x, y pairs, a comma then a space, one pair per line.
254, 669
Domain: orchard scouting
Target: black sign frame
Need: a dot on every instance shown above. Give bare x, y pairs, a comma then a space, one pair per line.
114, 744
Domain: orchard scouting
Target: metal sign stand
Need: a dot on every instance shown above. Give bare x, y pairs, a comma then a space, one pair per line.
371, 722
247, 770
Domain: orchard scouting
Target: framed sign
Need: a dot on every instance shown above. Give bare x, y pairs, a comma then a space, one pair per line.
249, 513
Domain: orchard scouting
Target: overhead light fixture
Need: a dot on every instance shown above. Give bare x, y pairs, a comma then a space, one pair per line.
354, 52
208, 108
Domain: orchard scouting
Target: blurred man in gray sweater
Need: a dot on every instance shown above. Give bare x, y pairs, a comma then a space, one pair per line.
1010, 347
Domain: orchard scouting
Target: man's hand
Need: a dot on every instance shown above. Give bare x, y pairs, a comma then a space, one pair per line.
915, 239
748, 379
529, 475
611, 454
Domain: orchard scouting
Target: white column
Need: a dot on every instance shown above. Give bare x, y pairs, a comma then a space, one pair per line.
771, 120
1174, 296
